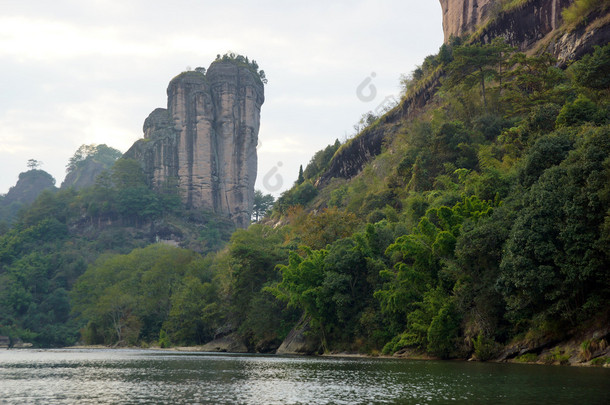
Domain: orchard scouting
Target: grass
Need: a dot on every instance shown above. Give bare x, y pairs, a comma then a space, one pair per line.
578, 11
600, 361
527, 358
557, 356
509, 5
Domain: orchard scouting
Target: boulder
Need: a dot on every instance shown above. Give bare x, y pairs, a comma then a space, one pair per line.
226, 344
301, 340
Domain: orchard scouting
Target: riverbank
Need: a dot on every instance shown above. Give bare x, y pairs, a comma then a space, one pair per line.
561, 355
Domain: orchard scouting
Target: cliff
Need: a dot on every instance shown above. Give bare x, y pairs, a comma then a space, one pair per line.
88, 162
464, 16
83, 177
29, 186
529, 25
205, 141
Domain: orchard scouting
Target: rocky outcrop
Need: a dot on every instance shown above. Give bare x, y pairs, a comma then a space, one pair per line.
29, 186
533, 25
464, 16
300, 340
205, 141
84, 176
353, 156
226, 344
521, 25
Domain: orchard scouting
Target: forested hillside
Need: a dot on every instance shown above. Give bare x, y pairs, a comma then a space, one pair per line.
483, 224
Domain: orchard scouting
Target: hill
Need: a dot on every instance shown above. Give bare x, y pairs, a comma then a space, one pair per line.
471, 221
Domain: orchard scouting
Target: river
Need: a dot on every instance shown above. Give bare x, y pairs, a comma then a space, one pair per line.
98, 376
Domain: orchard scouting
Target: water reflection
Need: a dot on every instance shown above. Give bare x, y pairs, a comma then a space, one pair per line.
147, 376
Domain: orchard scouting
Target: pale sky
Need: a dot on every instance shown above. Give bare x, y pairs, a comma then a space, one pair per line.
79, 72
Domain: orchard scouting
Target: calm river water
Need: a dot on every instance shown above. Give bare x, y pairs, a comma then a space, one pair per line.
71, 376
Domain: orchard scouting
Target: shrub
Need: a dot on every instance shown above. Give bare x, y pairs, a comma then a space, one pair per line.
484, 348
600, 361
557, 356
164, 339
578, 112
527, 358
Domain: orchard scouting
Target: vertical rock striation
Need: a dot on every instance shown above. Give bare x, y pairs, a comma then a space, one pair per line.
530, 25
205, 141
464, 16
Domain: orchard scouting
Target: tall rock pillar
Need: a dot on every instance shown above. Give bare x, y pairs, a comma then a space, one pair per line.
205, 141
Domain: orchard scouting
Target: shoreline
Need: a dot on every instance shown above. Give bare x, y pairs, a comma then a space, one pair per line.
346, 355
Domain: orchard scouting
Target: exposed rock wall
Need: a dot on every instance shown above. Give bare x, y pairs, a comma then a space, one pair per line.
524, 25
205, 141
534, 25
464, 16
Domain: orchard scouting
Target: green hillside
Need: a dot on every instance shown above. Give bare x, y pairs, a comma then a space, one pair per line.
483, 223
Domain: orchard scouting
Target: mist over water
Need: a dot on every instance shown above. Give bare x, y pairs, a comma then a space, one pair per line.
148, 376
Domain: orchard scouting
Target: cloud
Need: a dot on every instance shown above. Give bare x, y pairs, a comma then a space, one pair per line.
90, 72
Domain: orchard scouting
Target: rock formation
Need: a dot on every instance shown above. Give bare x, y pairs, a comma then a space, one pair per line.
205, 141
29, 186
532, 25
464, 16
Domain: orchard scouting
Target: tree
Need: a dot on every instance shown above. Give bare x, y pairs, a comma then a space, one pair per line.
262, 205
555, 264
34, 164
476, 64
592, 70
300, 179
100, 153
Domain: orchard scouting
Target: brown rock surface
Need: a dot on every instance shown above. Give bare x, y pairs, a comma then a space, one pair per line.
205, 141
463, 16
532, 25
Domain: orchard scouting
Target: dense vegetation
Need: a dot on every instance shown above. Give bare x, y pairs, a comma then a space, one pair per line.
484, 221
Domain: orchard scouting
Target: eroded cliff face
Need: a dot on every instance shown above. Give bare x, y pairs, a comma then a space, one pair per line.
464, 16
532, 26
205, 141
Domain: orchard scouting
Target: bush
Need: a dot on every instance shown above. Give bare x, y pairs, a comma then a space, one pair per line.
527, 358
164, 339
443, 332
578, 112
600, 361
557, 356
592, 70
484, 348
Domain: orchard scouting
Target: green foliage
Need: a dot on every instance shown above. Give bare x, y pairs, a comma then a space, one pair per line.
578, 11
600, 361
126, 299
483, 221
553, 262
299, 195
330, 225
580, 111
320, 161
527, 358
164, 341
484, 348
557, 356
242, 60
592, 70
474, 65
262, 205
103, 154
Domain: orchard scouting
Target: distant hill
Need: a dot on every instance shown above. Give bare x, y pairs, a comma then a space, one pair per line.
87, 163
28, 188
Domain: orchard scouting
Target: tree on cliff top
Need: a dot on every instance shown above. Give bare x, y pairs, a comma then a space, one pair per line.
242, 60
34, 164
101, 153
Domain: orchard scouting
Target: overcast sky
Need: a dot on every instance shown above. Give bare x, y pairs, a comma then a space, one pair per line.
76, 72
